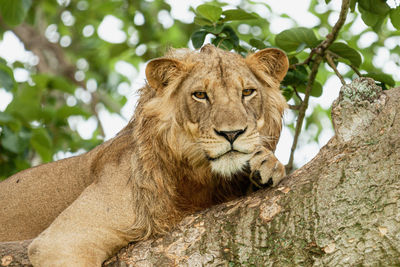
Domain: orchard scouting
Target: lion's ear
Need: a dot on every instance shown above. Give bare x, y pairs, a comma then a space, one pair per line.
271, 61
162, 71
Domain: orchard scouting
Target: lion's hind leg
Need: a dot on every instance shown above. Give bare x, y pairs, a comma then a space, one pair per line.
87, 232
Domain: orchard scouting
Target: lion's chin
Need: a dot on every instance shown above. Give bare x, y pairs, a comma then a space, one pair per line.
230, 163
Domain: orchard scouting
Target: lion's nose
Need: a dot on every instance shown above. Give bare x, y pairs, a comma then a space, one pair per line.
231, 136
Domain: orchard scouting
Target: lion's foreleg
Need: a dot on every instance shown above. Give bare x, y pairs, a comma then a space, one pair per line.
266, 170
88, 231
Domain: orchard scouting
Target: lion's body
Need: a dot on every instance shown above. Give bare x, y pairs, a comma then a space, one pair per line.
197, 135
28, 212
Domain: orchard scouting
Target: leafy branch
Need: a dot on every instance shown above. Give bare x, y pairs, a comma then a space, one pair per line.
319, 52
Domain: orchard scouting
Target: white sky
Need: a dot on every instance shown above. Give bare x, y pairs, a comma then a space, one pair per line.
109, 30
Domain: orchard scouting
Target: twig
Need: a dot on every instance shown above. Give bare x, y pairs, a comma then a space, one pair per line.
305, 62
319, 51
331, 37
294, 107
297, 93
354, 68
302, 111
332, 64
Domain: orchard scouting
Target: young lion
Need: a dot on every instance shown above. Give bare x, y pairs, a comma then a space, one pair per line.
206, 125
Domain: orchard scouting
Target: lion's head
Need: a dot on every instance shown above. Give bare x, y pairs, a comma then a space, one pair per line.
215, 107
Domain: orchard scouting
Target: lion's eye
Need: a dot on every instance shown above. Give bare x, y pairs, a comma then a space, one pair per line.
200, 95
248, 92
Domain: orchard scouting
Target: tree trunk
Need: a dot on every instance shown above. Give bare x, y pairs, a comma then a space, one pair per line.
341, 209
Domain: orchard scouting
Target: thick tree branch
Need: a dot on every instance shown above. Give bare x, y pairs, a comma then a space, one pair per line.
14, 253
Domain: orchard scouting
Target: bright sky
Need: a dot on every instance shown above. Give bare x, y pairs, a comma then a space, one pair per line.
109, 30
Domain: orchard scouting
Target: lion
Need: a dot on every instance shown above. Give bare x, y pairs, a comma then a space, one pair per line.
204, 130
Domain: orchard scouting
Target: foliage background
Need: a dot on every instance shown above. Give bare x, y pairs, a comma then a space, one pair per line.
74, 75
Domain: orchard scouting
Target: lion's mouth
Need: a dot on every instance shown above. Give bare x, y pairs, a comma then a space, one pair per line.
232, 152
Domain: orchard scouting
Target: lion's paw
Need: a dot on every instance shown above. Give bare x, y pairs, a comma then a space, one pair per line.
266, 170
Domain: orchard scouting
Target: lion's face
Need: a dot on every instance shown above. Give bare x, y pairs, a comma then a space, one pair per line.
223, 105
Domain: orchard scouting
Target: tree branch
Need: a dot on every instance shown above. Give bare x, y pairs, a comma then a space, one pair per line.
294, 107
319, 51
354, 68
14, 253
333, 66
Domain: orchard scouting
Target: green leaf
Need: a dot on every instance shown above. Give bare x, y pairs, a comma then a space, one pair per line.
257, 43
198, 38
21, 164
230, 32
295, 77
209, 12
202, 21
14, 11
345, 51
316, 90
373, 20
47, 81
353, 5
293, 60
395, 17
369, 18
287, 92
42, 143
6, 78
223, 43
214, 29
5, 118
381, 77
65, 111
26, 103
301, 47
15, 143
289, 40
238, 14
41, 80
62, 84
378, 7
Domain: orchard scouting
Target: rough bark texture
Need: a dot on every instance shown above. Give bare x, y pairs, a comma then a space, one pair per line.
341, 209
14, 253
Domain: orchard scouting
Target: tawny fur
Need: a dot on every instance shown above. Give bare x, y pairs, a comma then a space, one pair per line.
169, 161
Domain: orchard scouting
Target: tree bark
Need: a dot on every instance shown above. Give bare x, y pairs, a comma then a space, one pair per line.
340, 209
14, 253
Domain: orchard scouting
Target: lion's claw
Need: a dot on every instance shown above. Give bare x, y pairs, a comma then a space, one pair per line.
265, 169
